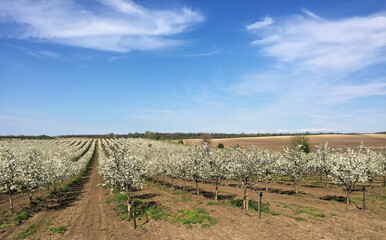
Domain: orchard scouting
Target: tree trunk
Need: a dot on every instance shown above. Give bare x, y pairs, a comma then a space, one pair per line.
197, 192
326, 180
384, 181
129, 204
216, 196
172, 182
10, 202
348, 197
30, 195
184, 187
296, 187
245, 202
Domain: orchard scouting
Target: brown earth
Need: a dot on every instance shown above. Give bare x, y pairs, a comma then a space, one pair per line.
93, 215
274, 143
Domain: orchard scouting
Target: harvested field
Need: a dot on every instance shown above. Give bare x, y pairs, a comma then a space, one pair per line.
274, 143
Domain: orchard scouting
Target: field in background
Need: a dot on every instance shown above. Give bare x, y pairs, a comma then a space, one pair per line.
275, 143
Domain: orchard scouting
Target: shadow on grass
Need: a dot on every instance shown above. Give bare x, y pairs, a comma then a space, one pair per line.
333, 198
147, 196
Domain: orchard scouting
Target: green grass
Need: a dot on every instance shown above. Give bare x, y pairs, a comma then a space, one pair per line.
189, 217
60, 229
299, 209
297, 218
253, 206
4, 225
23, 216
211, 203
31, 229
185, 198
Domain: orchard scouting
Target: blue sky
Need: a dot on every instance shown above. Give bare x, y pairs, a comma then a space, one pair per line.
80, 67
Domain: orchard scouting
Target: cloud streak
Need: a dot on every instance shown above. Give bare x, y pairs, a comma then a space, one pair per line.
117, 25
312, 43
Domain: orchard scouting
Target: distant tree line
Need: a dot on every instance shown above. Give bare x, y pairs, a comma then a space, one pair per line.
171, 136
28, 137
191, 135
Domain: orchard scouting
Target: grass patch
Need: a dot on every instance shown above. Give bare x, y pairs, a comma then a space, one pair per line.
189, 217
309, 210
211, 203
60, 229
4, 225
23, 216
31, 229
253, 206
298, 218
185, 198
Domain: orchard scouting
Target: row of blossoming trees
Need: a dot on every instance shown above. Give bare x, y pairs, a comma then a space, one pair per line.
27, 165
127, 162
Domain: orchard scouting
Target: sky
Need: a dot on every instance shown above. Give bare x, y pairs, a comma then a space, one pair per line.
102, 66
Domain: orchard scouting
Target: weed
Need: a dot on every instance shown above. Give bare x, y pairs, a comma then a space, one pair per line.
185, 198
5, 225
29, 230
189, 217
60, 229
211, 203
297, 218
23, 216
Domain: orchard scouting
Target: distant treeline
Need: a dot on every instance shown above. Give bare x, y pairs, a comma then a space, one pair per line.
180, 135
28, 137
172, 136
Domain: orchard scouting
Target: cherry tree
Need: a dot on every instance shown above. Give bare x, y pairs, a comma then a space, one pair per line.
348, 168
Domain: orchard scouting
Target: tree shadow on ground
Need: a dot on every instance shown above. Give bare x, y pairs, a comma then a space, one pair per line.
147, 196
211, 195
333, 198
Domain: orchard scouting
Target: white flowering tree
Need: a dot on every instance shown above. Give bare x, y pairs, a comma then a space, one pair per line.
244, 166
10, 175
374, 162
323, 160
123, 169
194, 162
295, 164
215, 165
266, 165
348, 168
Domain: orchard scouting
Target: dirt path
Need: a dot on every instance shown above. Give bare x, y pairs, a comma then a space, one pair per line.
93, 216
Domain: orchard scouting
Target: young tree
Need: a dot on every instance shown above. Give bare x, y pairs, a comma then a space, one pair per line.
206, 138
303, 142
294, 163
323, 160
244, 166
215, 165
349, 168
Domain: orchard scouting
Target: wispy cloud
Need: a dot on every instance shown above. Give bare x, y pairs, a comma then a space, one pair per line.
312, 43
36, 52
117, 25
313, 15
260, 24
202, 54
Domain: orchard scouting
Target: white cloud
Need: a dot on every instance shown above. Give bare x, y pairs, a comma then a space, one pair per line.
203, 54
313, 130
118, 25
340, 94
311, 14
282, 131
260, 24
314, 44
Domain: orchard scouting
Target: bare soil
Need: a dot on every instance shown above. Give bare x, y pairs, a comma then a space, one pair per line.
274, 143
93, 214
